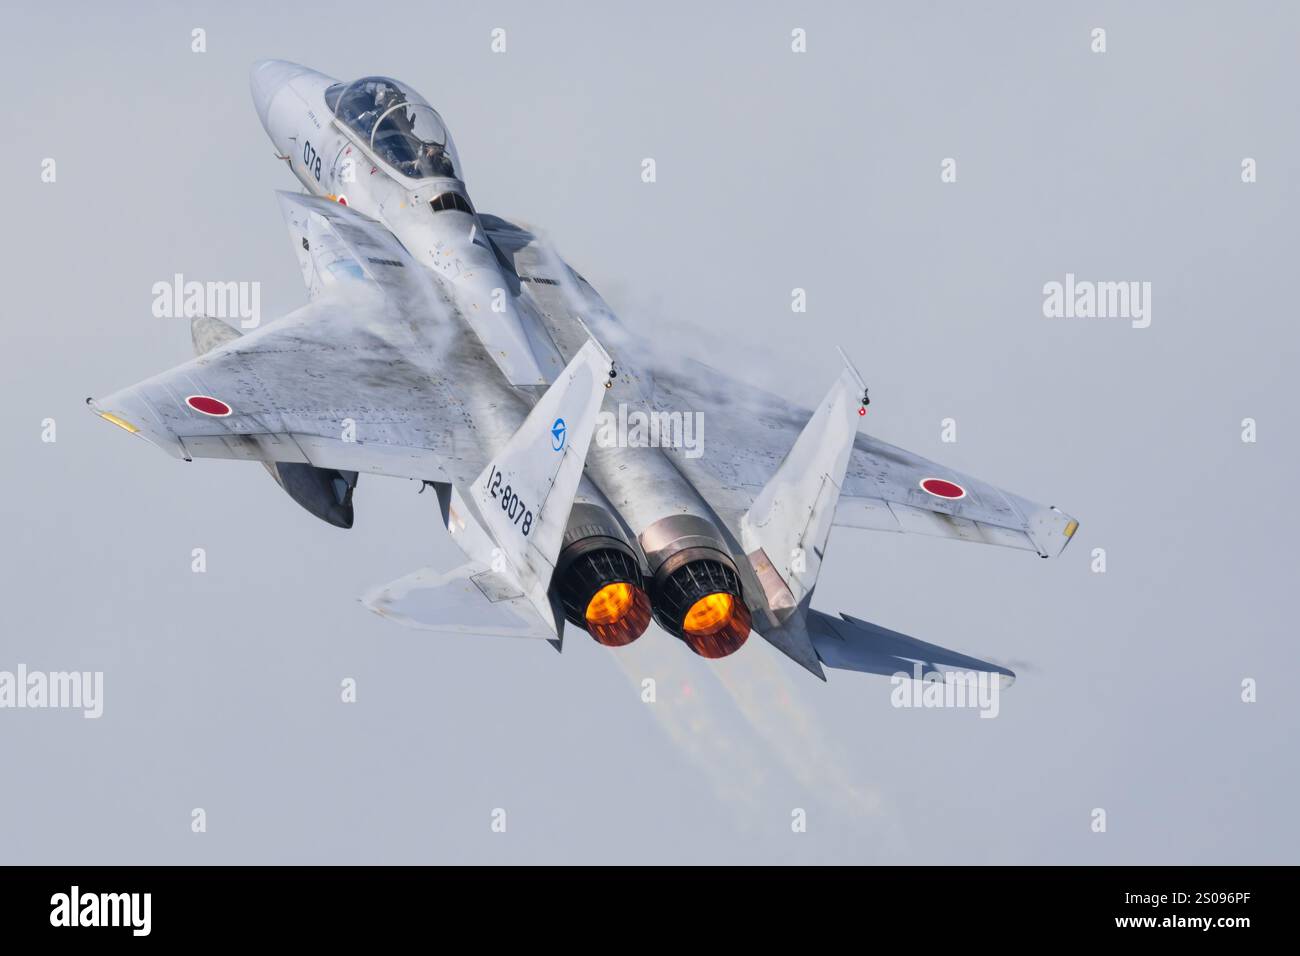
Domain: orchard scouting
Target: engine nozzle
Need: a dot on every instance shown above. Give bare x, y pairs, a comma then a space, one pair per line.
700, 601
696, 592
598, 579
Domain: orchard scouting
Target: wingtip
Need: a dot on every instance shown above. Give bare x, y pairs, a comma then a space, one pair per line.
113, 419
1051, 530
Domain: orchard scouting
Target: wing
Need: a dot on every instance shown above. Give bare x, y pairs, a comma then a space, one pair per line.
751, 431
377, 374
885, 488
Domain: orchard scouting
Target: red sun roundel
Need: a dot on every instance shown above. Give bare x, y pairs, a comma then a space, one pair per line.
208, 405
942, 489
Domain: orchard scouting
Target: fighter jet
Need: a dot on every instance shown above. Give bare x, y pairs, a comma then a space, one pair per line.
458, 349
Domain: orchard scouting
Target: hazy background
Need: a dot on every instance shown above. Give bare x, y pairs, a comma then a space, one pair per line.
775, 171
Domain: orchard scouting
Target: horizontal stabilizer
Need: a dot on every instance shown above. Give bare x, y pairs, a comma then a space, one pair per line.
847, 643
470, 599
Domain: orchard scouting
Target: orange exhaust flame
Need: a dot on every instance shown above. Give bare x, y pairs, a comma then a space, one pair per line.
618, 614
716, 625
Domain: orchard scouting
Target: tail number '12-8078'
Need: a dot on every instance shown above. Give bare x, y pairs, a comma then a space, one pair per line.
510, 503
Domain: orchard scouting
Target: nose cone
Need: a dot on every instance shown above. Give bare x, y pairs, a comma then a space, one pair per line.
266, 79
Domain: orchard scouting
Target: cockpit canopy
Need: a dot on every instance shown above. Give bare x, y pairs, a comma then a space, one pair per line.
398, 125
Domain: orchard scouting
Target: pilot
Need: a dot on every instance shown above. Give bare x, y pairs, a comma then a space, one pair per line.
365, 120
433, 158
386, 97
421, 164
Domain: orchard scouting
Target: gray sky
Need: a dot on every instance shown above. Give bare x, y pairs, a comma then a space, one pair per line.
775, 170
